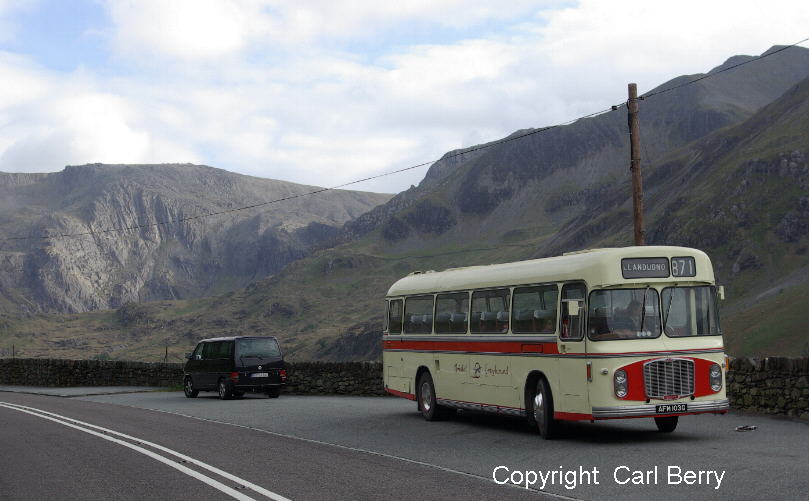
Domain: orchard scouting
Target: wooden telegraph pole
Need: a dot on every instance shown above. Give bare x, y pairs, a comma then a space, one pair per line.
634, 165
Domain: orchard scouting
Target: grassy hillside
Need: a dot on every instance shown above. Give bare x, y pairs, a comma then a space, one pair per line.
737, 190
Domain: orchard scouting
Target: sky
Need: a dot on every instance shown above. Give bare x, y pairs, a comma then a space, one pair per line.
325, 92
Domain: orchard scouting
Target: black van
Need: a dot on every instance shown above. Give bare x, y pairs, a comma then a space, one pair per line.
234, 365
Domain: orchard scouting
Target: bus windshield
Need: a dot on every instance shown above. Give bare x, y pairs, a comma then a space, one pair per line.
690, 311
624, 314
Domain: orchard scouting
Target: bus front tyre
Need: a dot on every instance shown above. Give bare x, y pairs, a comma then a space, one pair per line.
666, 424
542, 409
427, 401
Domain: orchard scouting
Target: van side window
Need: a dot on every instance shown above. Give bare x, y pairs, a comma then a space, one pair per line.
451, 313
570, 327
216, 350
534, 309
227, 349
418, 317
220, 350
395, 317
207, 351
490, 311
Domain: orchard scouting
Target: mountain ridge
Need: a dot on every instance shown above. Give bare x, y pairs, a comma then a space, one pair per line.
719, 175
159, 248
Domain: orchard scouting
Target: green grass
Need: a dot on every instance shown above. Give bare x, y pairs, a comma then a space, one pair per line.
778, 325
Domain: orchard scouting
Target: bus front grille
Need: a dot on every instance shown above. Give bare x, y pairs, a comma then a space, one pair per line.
671, 377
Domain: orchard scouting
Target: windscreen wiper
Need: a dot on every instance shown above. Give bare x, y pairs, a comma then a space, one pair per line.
668, 307
643, 309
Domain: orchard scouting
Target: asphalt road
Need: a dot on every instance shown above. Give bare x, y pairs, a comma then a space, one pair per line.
371, 448
47, 453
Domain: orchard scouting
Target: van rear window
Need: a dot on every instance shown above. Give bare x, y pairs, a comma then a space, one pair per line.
258, 347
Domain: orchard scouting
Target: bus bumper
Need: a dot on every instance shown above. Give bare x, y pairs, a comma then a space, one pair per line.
649, 410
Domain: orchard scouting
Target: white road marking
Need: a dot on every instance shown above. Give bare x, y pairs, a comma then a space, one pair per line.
373, 453
83, 426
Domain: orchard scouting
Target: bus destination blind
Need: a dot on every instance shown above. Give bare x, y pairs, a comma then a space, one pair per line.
645, 267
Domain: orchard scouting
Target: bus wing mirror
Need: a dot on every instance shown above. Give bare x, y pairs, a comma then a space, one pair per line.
720, 291
573, 307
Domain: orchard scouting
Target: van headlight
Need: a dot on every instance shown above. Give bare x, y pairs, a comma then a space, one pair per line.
715, 374
619, 381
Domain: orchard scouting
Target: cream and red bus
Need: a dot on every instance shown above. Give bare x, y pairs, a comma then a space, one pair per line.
598, 334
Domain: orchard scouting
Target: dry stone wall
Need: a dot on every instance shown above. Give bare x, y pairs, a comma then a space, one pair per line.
304, 378
773, 385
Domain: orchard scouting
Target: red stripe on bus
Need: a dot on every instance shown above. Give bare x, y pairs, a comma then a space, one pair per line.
572, 416
512, 347
402, 394
474, 346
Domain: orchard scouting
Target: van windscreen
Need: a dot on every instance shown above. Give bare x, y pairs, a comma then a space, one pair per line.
258, 347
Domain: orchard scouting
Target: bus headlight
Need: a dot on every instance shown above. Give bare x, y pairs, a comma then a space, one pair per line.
619, 381
715, 374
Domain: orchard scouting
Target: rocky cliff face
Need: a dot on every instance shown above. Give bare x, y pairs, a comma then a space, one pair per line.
725, 170
152, 260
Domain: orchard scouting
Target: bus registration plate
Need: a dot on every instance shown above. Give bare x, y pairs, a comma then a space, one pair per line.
265, 374
669, 408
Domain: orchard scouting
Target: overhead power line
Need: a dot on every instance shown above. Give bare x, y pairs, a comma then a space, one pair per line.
300, 195
508, 139
731, 67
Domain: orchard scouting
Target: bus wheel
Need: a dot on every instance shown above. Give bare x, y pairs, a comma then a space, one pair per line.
427, 402
666, 424
543, 410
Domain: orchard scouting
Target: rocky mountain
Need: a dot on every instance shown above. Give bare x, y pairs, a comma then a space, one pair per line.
188, 259
725, 170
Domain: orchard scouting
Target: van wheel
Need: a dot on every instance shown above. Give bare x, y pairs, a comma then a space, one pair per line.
666, 424
542, 410
188, 388
427, 400
273, 392
225, 389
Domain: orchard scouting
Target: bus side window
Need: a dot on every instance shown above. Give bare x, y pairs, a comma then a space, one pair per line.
534, 309
418, 317
570, 327
490, 311
395, 317
451, 312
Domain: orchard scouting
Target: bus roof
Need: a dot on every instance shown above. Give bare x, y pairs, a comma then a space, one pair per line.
598, 267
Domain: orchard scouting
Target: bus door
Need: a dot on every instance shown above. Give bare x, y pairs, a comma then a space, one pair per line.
572, 375
393, 360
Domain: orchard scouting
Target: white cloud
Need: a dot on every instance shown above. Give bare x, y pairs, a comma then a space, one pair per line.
204, 29
181, 28
48, 120
300, 90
